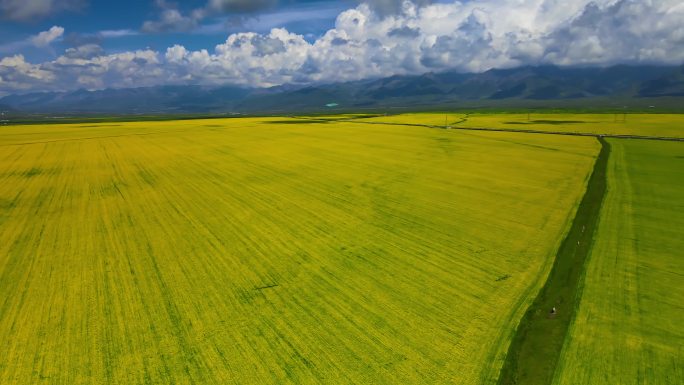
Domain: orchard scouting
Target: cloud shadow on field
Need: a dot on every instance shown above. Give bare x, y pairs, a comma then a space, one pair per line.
296, 122
550, 122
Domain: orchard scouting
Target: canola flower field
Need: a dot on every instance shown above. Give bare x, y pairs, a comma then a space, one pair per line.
281, 250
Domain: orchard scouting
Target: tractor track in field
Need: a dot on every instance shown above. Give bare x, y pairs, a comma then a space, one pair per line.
536, 346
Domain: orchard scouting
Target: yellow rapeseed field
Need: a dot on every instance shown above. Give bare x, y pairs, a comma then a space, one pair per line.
265, 251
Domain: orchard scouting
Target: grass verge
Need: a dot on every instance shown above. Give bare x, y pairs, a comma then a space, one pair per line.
536, 347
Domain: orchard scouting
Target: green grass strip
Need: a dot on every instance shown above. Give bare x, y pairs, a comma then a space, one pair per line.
536, 346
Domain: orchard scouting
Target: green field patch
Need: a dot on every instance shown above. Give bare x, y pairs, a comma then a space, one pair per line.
628, 328
549, 122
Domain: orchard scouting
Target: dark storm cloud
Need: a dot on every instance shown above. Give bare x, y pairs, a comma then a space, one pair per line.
32, 10
241, 6
388, 7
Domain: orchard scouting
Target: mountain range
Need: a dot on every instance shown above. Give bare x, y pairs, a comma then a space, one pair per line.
518, 87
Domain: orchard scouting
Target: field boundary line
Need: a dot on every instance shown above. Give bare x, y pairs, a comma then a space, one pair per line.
521, 131
91, 138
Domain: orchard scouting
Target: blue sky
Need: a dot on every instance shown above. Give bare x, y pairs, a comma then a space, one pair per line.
59, 45
87, 21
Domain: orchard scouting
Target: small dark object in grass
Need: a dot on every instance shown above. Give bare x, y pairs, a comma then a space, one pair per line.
266, 287
503, 278
553, 313
32, 172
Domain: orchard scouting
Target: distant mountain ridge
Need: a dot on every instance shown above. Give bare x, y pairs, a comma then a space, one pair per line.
522, 85
169, 99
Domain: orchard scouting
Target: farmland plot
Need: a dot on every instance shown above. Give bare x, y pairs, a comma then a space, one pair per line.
628, 328
659, 125
254, 251
667, 125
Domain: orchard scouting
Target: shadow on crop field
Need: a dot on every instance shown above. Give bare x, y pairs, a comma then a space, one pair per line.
544, 121
302, 121
100, 126
35, 171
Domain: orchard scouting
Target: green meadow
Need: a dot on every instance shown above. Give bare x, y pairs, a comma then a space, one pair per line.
629, 329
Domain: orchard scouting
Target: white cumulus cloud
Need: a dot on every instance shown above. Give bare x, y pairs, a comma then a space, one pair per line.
19, 75
44, 38
468, 36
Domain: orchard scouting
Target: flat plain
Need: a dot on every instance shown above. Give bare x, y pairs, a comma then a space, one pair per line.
628, 329
264, 250
609, 123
